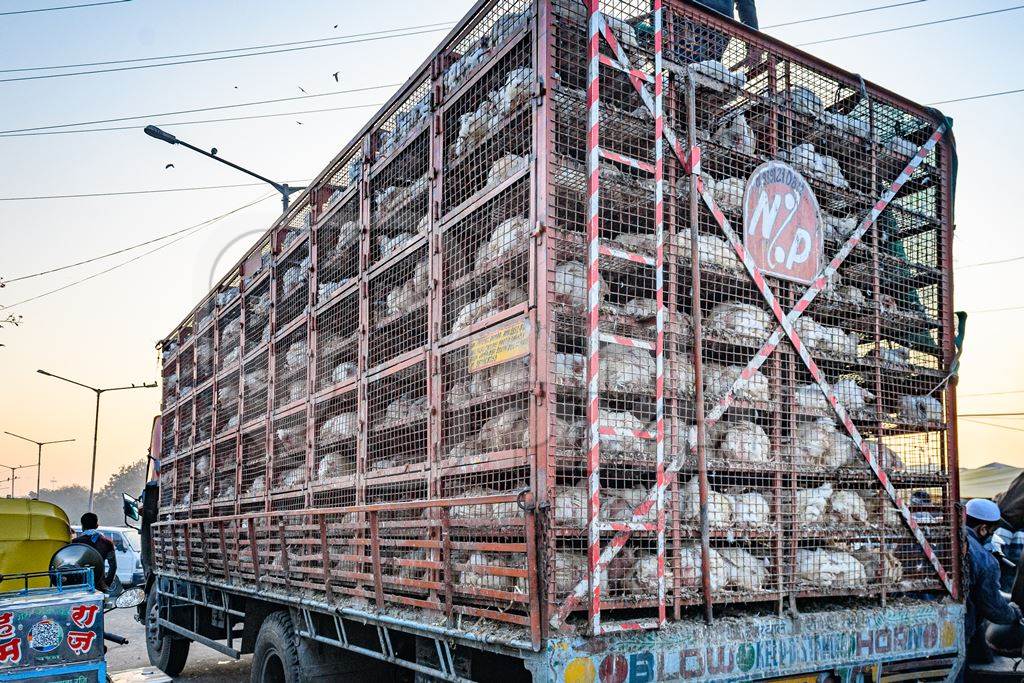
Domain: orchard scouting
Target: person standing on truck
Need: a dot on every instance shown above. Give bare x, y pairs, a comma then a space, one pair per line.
702, 43
90, 536
984, 601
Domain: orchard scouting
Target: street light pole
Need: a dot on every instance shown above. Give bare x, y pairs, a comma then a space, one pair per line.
96, 424
39, 455
13, 470
285, 189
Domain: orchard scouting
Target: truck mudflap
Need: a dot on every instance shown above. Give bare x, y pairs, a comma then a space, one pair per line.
857, 644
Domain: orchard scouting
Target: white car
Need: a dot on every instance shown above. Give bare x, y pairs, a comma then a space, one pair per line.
128, 548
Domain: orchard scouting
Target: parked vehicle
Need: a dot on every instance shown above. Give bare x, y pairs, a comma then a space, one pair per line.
514, 386
128, 548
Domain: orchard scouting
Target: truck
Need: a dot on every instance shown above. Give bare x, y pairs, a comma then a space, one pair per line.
618, 345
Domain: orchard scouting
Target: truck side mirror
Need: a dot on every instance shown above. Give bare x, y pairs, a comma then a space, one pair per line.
131, 508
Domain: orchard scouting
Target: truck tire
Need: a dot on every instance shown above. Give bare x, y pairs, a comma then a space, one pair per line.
166, 652
275, 658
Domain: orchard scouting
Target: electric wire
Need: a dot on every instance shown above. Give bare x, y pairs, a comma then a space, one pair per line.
200, 109
131, 192
135, 60
910, 26
218, 58
993, 424
842, 14
62, 7
249, 117
195, 229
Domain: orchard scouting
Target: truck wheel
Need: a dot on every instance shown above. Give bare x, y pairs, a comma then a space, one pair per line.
166, 652
275, 658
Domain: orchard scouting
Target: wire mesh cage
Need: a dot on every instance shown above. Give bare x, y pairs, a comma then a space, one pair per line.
337, 249
485, 261
201, 477
225, 480
252, 478
291, 358
398, 297
397, 412
292, 283
337, 342
528, 286
169, 435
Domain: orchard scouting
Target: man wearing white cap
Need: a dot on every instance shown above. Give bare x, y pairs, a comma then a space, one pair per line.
984, 601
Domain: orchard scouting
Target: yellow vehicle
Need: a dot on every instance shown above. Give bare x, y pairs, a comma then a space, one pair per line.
31, 531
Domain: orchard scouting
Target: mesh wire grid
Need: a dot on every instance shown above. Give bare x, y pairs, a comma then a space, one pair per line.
338, 342
397, 417
398, 297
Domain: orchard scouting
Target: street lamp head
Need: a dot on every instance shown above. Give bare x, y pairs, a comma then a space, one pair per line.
44, 372
154, 132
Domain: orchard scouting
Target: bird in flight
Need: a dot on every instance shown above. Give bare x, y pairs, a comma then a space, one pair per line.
335, 74
299, 122
303, 90
168, 166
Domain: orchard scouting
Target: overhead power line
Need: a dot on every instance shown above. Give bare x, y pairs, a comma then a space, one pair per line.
997, 310
993, 424
194, 123
990, 414
218, 58
200, 109
129, 192
843, 14
979, 97
992, 393
189, 232
996, 262
264, 46
62, 7
910, 26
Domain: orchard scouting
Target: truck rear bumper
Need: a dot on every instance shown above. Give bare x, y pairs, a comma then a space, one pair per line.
848, 642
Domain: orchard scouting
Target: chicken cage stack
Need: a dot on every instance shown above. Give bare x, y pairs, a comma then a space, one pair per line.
523, 287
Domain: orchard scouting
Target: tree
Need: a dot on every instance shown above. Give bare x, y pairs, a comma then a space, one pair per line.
74, 500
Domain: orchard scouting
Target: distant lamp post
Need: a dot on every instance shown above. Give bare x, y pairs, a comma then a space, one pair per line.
39, 455
13, 470
96, 424
284, 188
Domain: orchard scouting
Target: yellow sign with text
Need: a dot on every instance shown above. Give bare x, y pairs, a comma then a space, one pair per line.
500, 346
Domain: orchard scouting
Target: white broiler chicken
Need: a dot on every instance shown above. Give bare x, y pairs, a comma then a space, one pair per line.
643, 579
508, 431
406, 407
879, 565
291, 438
683, 188
292, 477
343, 372
810, 443
639, 243
843, 451
506, 167
812, 504
505, 26
809, 331
737, 135
895, 355
331, 465
503, 295
571, 504
681, 376
847, 507
257, 487
720, 509
729, 194
202, 466
715, 252
387, 244
568, 434
887, 458
508, 237
850, 125
838, 229
465, 65
571, 284
489, 581
348, 235
746, 443
745, 571
805, 101
852, 396
824, 168
690, 577
294, 277
474, 126
827, 568
735, 319
639, 310
514, 92
838, 343
570, 569
809, 398
919, 410
719, 379
295, 357
715, 70
493, 511
623, 446
626, 369
344, 426
227, 395
750, 509
570, 369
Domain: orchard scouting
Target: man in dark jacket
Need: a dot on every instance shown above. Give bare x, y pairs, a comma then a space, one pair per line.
103, 545
746, 9
702, 43
984, 601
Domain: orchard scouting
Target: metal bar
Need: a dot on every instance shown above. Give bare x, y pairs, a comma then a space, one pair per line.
326, 557
378, 586
202, 640
223, 550
593, 235
252, 548
659, 275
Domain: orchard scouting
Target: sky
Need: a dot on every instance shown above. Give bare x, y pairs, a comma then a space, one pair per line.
103, 332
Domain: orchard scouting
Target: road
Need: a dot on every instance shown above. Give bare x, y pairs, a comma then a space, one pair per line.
204, 665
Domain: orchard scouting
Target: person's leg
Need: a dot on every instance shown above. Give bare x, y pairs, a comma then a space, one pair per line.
978, 651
